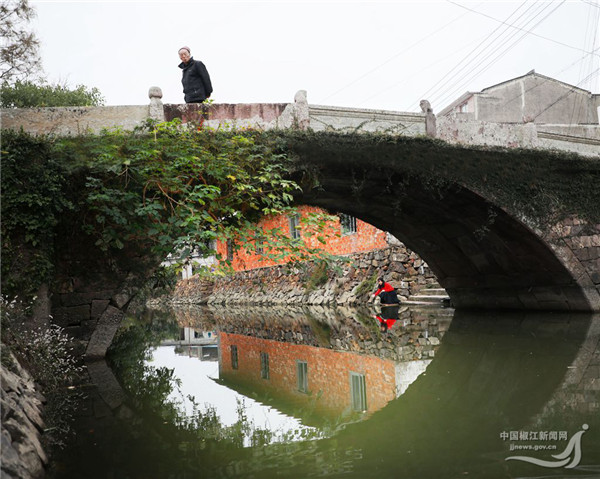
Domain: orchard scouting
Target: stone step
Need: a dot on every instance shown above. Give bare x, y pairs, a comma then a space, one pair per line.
421, 303
428, 299
429, 296
432, 309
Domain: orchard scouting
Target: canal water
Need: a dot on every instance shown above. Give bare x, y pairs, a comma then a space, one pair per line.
411, 392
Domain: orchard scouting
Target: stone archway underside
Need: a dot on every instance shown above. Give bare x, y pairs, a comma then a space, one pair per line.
484, 257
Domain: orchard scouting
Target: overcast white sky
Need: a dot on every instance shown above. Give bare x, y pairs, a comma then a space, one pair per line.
376, 54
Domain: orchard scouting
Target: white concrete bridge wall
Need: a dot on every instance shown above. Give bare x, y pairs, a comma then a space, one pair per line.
582, 139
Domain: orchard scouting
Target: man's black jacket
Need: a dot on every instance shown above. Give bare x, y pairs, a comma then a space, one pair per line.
196, 81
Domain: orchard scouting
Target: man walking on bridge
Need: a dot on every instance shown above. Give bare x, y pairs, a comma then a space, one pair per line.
195, 80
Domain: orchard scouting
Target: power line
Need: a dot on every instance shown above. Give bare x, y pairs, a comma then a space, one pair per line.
590, 3
472, 73
468, 58
594, 53
474, 63
395, 84
482, 67
531, 33
497, 55
590, 42
458, 65
393, 57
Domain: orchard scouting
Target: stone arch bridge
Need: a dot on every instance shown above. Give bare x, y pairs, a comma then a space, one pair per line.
477, 215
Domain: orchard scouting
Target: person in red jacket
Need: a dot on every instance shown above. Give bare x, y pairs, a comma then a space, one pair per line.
386, 292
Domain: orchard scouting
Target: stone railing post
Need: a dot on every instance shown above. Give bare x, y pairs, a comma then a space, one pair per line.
302, 119
430, 120
295, 114
155, 110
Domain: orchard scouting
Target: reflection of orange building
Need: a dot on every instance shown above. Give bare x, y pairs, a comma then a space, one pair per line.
336, 383
345, 235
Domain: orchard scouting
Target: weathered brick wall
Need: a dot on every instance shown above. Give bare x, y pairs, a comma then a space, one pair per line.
367, 237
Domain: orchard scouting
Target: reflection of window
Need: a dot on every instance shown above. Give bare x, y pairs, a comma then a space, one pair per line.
348, 224
294, 227
302, 370
264, 365
234, 357
197, 334
358, 392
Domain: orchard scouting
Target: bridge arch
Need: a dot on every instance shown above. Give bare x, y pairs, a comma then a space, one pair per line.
485, 253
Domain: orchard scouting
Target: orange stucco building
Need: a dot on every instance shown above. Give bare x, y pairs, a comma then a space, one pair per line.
343, 235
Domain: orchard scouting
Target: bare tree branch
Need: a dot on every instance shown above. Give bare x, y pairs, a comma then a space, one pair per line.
19, 47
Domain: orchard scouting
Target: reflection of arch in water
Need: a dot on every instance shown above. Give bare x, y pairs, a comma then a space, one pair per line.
492, 373
577, 399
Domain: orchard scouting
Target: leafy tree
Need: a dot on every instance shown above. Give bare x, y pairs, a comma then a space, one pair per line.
19, 47
21, 67
24, 94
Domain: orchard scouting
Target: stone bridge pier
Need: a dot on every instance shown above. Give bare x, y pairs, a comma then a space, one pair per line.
93, 289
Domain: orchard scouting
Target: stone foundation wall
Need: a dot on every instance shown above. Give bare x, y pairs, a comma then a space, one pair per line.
22, 454
282, 284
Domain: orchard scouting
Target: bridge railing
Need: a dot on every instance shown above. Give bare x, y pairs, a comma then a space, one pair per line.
582, 139
297, 114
